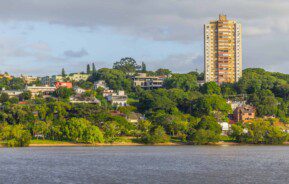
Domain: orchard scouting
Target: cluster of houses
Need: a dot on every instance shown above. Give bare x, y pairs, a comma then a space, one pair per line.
51, 83
118, 98
50, 80
242, 112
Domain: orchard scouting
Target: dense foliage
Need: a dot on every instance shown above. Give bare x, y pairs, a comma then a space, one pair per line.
182, 111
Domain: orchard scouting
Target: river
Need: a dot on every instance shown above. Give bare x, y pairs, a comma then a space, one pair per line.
145, 164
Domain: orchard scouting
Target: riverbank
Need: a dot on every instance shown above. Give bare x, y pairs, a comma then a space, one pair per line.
127, 144
69, 144
50, 143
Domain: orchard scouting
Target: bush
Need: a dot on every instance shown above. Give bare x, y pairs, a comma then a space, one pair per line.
205, 136
93, 135
259, 132
158, 136
15, 136
82, 131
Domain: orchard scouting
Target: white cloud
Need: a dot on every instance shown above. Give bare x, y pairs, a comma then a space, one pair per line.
265, 24
75, 54
255, 31
182, 63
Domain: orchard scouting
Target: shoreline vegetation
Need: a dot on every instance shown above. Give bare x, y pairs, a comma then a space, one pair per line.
70, 144
115, 110
52, 143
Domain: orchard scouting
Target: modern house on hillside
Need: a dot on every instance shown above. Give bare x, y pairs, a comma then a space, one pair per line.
36, 90
148, 82
12, 93
118, 99
244, 112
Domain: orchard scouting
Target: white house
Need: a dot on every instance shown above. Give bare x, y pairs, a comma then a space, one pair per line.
107, 92
100, 84
36, 90
118, 99
12, 93
78, 90
235, 104
225, 127
134, 117
82, 99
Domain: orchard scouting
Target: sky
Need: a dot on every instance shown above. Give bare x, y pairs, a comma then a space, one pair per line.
42, 37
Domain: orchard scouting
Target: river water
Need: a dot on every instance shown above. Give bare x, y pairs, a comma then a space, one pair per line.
145, 164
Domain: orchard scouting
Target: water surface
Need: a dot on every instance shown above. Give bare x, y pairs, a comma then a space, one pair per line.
145, 164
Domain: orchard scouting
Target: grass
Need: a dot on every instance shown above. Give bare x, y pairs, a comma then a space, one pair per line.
41, 141
132, 101
227, 139
175, 140
46, 141
123, 140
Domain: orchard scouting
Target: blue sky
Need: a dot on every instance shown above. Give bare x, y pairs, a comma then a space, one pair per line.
48, 47
42, 37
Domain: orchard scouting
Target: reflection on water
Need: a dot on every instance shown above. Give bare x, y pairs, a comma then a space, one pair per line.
146, 164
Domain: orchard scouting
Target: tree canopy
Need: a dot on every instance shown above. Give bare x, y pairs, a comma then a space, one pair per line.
127, 65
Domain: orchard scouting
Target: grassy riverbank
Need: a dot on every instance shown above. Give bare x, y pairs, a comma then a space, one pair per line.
50, 143
123, 141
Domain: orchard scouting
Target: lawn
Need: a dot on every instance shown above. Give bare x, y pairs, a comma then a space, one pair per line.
227, 139
41, 141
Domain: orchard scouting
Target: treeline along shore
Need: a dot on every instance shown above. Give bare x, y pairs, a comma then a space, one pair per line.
165, 109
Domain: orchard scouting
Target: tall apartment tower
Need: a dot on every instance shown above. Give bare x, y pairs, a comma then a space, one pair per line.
223, 50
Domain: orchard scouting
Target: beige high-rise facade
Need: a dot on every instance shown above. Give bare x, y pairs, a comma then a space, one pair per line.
223, 50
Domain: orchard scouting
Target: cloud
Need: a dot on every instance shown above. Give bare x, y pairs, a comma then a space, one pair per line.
265, 26
153, 19
182, 63
40, 47
75, 54
255, 31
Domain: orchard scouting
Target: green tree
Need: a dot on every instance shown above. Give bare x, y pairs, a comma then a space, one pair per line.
128, 65
111, 130
163, 71
93, 69
187, 82
209, 104
156, 100
88, 70
26, 95
228, 89
4, 97
40, 128
275, 135
143, 67
63, 92
207, 130
93, 135
237, 132
81, 130
158, 136
211, 88
63, 74
15, 135
144, 127
265, 102
14, 100
115, 79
